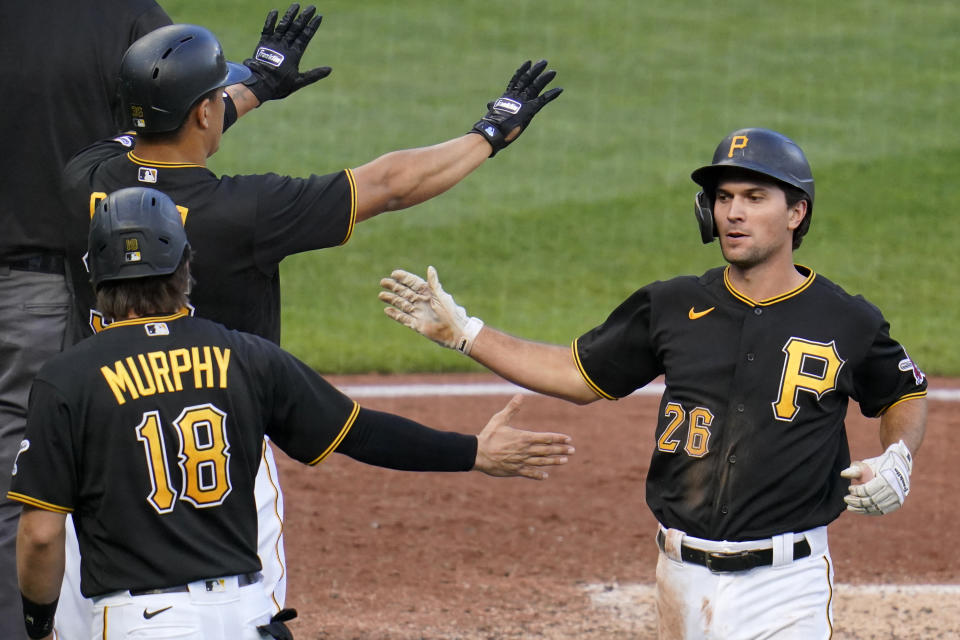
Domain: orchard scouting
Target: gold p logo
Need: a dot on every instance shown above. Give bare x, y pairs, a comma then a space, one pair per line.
738, 142
809, 366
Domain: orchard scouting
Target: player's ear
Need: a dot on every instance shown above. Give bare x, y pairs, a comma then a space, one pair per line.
797, 213
203, 114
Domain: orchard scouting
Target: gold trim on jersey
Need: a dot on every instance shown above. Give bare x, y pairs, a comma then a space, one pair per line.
340, 436
590, 383
152, 163
909, 396
147, 319
353, 204
769, 301
39, 504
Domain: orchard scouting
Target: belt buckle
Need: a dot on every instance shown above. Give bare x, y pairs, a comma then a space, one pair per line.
748, 558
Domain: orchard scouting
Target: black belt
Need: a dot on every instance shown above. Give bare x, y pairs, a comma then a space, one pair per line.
43, 263
719, 562
243, 580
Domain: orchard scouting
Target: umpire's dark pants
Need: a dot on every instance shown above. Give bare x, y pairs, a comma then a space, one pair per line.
34, 309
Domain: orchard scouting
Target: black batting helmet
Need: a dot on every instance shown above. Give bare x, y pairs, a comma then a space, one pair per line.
759, 150
166, 71
135, 233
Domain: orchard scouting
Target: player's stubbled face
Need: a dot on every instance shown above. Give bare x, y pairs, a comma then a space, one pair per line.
753, 222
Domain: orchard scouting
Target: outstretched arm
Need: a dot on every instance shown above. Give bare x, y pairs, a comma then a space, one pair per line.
880, 485
392, 441
401, 179
426, 308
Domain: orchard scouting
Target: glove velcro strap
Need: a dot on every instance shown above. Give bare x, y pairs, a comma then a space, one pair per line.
901, 449
470, 332
492, 133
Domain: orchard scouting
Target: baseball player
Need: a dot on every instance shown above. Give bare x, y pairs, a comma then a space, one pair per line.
60, 85
243, 226
150, 434
760, 357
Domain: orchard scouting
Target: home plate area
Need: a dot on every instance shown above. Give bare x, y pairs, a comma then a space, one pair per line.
380, 554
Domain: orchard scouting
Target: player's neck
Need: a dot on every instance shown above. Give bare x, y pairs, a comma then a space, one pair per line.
178, 152
766, 280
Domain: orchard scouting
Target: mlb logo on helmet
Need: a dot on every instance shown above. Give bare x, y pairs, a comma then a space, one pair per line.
136, 114
131, 250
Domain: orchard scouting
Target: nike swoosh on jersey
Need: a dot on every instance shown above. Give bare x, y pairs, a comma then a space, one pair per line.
149, 614
693, 315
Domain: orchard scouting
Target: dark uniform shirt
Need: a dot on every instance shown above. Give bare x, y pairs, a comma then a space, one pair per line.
750, 439
240, 227
50, 111
150, 433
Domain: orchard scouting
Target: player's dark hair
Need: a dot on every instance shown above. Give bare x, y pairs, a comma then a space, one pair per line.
795, 195
167, 137
150, 296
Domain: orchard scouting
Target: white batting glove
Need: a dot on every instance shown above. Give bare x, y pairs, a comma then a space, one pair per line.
888, 488
426, 308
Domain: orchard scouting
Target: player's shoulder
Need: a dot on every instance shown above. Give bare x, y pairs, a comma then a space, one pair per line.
90, 157
274, 182
684, 284
828, 292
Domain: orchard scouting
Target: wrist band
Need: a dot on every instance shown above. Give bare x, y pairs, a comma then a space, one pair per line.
38, 618
470, 332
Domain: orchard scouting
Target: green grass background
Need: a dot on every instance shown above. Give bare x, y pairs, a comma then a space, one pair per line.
595, 200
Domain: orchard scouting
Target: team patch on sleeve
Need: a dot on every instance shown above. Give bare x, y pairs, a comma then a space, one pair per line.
907, 365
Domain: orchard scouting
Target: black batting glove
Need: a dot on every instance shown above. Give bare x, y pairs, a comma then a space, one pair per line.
510, 114
276, 62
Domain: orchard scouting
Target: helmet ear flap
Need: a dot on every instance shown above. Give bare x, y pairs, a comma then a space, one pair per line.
703, 210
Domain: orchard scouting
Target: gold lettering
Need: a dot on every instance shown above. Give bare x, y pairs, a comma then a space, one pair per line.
205, 365
95, 199
119, 381
738, 142
141, 387
223, 361
161, 370
179, 364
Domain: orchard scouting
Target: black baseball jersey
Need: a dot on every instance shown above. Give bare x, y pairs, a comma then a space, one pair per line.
59, 95
240, 227
750, 439
151, 433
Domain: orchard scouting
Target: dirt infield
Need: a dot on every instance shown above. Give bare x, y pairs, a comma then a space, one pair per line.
380, 554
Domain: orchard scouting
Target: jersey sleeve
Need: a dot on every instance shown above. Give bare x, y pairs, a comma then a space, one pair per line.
45, 469
886, 376
617, 357
307, 416
303, 214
